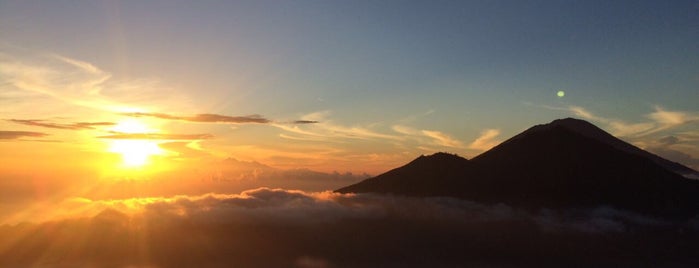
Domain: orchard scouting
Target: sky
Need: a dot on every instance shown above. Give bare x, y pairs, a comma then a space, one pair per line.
206, 133
100, 90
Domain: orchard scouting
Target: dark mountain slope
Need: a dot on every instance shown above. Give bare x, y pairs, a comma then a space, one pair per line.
424, 176
559, 165
589, 130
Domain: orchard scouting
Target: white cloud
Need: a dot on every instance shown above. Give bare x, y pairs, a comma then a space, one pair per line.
584, 113
623, 129
661, 119
405, 130
326, 130
443, 139
79, 83
665, 118
486, 140
433, 137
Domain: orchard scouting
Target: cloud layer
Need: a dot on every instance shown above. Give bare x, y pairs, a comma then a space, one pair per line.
285, 228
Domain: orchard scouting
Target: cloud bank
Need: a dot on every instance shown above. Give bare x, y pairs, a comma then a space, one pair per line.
286, 228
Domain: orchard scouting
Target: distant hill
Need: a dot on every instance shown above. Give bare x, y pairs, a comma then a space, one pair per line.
566, 163
243, 175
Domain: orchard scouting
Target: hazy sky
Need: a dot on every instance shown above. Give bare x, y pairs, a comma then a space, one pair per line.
335, 85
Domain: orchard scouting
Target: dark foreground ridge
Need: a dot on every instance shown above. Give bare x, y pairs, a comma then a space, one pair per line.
568, 163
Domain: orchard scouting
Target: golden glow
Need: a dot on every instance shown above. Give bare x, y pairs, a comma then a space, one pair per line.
134, 153
130, 126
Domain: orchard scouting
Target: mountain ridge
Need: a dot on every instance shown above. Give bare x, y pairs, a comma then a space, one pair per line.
566, 163
591, 131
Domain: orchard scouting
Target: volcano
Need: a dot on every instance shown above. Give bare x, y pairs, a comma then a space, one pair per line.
568, 163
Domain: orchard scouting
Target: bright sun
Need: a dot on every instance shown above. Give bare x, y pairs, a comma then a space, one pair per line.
134, 153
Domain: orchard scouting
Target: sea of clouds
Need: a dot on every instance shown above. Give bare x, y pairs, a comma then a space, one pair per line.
289, 228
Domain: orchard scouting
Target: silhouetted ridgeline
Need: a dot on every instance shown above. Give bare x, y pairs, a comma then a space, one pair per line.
568, 163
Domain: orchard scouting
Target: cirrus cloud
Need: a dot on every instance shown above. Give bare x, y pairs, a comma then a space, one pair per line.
156, 136
487, 140
9, 134
69, 126
206, 118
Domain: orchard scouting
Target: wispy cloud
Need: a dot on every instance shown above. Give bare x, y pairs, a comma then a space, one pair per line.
317, 125
660, 119
305, 122
206, 118
486, 140
585, 114
9, 135
82, 65
70, 126
65, 79
156, 136
184, 149
665, 118
78, 83
401, 135
432, 137
405, 130
443, 139
297, 138
218, 118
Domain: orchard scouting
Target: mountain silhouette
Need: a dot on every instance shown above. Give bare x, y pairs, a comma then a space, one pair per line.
568, 163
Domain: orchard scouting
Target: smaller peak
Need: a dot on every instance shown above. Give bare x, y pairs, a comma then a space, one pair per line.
443, 155
573, 124
582, 127
440, 156
569, 121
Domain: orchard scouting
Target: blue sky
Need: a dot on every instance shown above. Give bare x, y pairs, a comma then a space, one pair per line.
386, 80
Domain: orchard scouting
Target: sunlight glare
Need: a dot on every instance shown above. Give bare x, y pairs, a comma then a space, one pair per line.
134, 153
130, 126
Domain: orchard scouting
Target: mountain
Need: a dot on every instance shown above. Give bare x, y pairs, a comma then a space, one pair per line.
591, 131
568, 163
425, 176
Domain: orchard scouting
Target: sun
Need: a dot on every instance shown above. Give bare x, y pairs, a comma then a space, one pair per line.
134, 153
